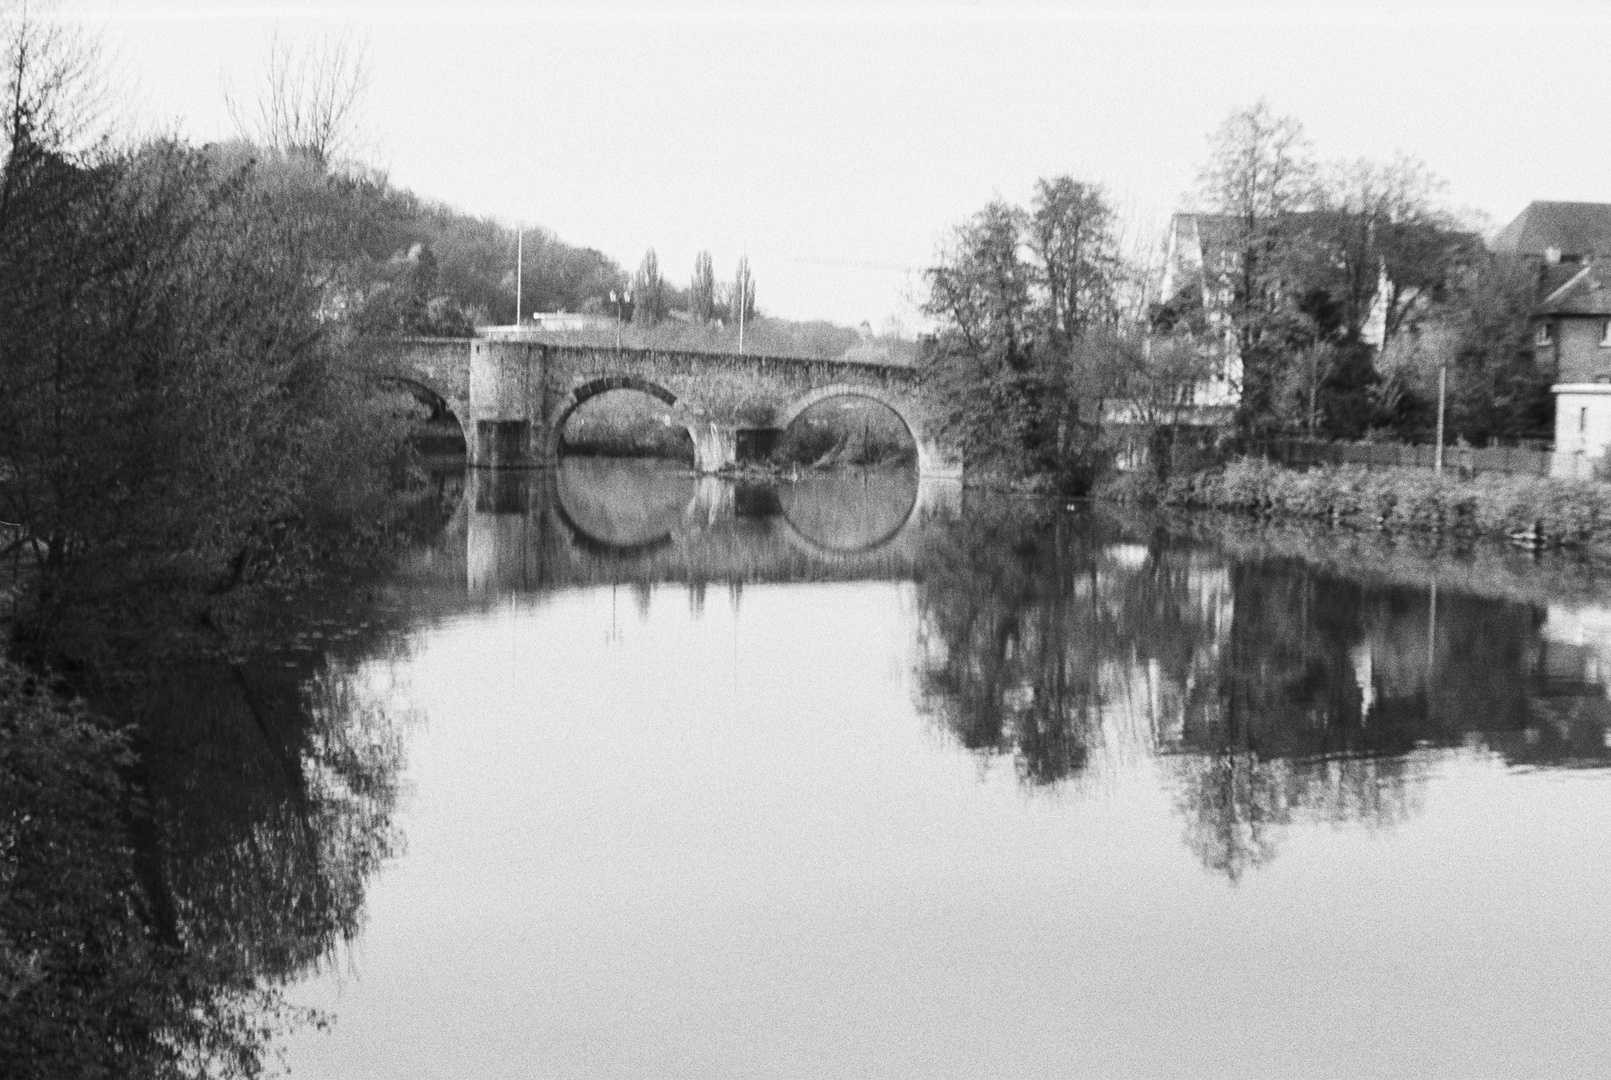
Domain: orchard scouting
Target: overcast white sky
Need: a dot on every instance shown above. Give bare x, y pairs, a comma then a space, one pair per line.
838, 142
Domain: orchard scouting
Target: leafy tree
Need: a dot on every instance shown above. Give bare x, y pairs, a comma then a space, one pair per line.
982, 372
177, 412
1029, 342
1329, 389
1496, 390
741, 299
702, 289
1072, 235
649, 292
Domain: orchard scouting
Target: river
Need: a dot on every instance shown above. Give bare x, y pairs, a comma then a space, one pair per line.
857, 776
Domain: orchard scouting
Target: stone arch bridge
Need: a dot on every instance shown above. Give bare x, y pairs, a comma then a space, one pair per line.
512, 395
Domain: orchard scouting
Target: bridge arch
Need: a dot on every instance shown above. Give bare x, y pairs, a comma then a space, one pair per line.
927, 459
445, 431
425, 394
713, 445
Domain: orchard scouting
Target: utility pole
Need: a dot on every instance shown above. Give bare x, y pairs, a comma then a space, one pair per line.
520, 257
1443, 378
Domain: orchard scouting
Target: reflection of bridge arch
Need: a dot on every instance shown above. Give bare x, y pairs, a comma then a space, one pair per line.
523, 530
644, 521
617, 509
804, 526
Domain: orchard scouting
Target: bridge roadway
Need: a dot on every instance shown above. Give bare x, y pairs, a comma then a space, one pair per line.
512, 393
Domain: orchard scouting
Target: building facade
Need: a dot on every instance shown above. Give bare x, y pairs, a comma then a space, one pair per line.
1571, 323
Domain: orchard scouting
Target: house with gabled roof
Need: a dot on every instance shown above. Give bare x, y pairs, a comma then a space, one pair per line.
1558, 232
1572, 338
1202, 259
1196, 258
1571, 322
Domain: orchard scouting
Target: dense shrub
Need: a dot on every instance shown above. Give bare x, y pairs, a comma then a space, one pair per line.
1555, 511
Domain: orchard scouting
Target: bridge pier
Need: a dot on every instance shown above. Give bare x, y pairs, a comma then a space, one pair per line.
507, 426
715, 446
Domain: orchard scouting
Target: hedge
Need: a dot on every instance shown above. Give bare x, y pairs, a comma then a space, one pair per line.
1540, 510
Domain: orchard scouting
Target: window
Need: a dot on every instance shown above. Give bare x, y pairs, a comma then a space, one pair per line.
1545, 335
1605, 333
1582, 421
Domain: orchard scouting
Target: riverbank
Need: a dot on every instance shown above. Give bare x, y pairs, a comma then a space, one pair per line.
1538, 511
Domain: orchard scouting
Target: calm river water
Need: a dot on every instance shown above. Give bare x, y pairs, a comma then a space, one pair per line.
857, 777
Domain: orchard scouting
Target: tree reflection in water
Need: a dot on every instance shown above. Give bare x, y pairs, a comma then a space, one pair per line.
162, 881
1272, 692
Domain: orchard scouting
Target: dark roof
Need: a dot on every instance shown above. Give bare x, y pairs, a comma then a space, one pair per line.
1552, 276
1587, 292
1573, 228
1213, 232
1220, 232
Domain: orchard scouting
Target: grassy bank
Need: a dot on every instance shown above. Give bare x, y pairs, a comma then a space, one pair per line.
1549, 512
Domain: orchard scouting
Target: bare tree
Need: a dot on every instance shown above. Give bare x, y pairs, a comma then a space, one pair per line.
1259, 167
53, 93
1152, 381
1383, 227
1259, 172
309, 101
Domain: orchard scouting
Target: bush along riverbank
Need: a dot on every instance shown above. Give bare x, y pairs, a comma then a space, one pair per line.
1537, 511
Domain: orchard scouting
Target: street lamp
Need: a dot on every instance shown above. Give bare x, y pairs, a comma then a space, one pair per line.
618, 299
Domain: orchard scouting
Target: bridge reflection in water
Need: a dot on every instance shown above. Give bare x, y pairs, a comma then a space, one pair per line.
597, 521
